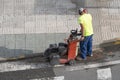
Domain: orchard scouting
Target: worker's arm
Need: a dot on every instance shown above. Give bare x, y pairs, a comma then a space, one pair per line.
82, 32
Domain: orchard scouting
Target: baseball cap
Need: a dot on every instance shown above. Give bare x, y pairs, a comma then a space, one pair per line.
81, 10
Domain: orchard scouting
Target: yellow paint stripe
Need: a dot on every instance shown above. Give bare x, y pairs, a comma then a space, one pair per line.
117, 42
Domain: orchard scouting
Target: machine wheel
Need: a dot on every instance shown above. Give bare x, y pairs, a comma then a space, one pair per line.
72, 62
54, 59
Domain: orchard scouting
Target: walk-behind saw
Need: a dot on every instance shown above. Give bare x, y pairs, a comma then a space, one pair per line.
66, 52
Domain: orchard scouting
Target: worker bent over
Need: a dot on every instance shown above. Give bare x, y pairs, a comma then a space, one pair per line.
85, 21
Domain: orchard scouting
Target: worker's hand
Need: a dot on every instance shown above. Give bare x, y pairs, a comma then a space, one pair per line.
65, 40
82, 38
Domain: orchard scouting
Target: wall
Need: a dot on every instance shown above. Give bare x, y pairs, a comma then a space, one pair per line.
29, 26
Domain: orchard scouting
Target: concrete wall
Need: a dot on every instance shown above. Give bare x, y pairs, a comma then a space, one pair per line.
29, 26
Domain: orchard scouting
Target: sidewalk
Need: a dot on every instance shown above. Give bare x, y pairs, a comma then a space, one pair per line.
106, 48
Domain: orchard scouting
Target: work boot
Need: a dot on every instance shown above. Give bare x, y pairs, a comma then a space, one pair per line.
90, 55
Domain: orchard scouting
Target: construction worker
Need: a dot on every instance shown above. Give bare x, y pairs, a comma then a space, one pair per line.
85, 21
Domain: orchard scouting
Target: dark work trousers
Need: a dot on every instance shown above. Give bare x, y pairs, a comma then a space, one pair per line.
86, 46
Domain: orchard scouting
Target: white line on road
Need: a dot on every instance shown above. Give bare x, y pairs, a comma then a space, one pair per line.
104, 74
52, 78
81, 67
59, 78
17, 66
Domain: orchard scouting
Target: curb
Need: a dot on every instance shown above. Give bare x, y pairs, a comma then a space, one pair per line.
112, 42
90, 66
21, 57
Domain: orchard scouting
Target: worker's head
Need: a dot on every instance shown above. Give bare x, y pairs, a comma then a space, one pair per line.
82, 11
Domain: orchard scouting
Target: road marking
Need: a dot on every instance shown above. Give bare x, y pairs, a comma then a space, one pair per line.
59, 78
117, 42
87, 66
17, 66
52, 78
104, 74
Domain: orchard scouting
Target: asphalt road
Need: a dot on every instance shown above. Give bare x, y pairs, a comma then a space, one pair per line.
100, 73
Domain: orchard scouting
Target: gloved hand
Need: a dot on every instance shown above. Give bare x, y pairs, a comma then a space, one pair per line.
82, 38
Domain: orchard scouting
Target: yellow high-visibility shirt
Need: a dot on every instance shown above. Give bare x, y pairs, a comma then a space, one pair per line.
86, 21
